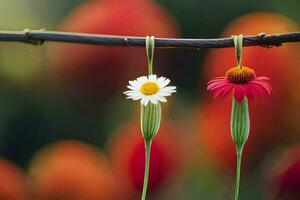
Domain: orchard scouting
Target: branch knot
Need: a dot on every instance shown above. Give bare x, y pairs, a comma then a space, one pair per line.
29, 39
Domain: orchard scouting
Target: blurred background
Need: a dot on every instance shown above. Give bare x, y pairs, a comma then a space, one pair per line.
68, 133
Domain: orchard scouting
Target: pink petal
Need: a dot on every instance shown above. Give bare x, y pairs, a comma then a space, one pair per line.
218, 78
239, 93
220, 91
218, 86
248, 91
261, 81
215, 84
256, 90
266, 86
262, 78
227, 90
259, 90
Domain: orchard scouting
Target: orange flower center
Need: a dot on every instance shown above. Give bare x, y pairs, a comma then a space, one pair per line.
149, 88
240, 75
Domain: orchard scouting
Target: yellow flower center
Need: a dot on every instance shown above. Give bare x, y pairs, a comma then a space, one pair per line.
149, 88
240, 76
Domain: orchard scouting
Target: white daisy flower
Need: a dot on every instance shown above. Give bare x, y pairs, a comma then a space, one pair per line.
149, 89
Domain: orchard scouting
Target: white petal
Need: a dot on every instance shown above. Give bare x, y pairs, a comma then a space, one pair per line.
133, 83
129, 92
153, 99
142, 79
145, 100
164, 94
132, 96
152, 77
167, 90
130, 87
129, 97
164, 83
170, 87
137, 97
160, 80
161, 98
137, 94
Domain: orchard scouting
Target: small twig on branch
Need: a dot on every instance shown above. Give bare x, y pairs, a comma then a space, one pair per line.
37, 37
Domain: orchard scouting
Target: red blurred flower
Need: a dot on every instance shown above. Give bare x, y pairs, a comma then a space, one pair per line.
12, 182
86, 68
71, 170
128, 158
242, 81
285, 181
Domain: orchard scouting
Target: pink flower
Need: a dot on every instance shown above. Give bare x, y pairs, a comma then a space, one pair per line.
242, 81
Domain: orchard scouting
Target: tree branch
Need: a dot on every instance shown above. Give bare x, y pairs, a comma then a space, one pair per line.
38, 37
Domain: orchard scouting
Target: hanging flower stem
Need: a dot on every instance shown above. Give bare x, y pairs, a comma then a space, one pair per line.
150, 45
238, 174
240, 120
238, 43
150, 90
152, 118
244, 84
240, 127
147, 164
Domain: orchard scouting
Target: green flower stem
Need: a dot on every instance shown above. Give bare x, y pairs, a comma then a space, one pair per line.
240, 128
238, 43
150, 116
238, 174
147, 163
150, 120
150, 45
